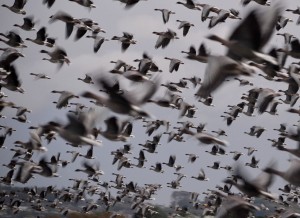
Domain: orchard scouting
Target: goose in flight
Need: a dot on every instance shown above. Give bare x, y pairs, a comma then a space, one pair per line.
126, 40
254, 187
190, 4
122, 103
202, 55
12, 81
256, 131
218, 69
157, 167
27, 25
165, 38
49, 3
58, 55
85, 3
14, 40
261, 2
67, 18
174, 64
129, 3
185, 25
254, 163
259, 32
92, 170
201, 176
114, 130
64, 98
171, 162
165, 14
41, 38
40, 76
236, 206
291, 175
79, 131
98, 41
87, 79
17, 7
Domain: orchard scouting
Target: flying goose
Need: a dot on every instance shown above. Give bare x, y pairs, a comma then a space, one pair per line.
14, 40
87, 79
98, 41
85, 3
235, 206
293, 50
49, 3
78, 131
255, 187
194, 80
185, 25
192, 157
190, 4
157, 167
243, 82
27, 25
7, 180
124, 104
236, 155
92, 170
218, 69
46, 170
11, 165
165, 14
114, 130
202, 55
41, 37
254, 163
251, 150
129, 3
40, 76
256, 131
282, 22
34, 143
67, 18
214, 150
8, 130
206, 9
293, 151
261, 2
24, 173
291, 175
89, 154
141, 159
171, 162
171, 87
165, 38
58, 55
8, 56
259, 30
174, 64
265, 97
216, 165
287, 37
147, 64
221, 17
201, 176
17, 7
64, 98
21, 110
126, 40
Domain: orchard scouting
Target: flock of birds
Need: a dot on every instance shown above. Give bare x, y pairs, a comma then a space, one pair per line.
130, 120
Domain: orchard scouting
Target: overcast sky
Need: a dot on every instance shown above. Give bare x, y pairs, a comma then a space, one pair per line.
141, 20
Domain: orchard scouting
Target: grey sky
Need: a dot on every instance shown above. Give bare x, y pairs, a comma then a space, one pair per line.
141, 21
